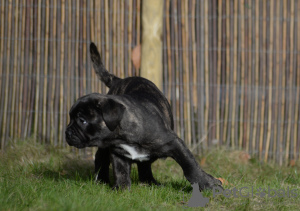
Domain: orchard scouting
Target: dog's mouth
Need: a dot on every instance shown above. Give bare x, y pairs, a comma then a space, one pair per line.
79, 146
73, 139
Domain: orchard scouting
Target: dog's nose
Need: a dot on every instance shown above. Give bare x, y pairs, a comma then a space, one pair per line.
68, 134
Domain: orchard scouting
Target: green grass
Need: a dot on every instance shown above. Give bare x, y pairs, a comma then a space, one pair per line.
36, 177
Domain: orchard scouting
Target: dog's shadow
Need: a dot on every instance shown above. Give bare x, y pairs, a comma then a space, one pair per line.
80, 170
66, 168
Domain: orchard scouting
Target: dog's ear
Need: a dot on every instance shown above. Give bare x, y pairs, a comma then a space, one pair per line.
112, 113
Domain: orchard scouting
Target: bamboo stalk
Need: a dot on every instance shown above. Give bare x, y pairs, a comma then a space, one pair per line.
84, 36
77, 67
40, 103
114, 37
54, 70
91, 37
94, 36
24, 62
28, 58
138, 27
223, 74
81, 71
138, 21
185, 39
74, 50
169, 58
4, 123
174, 35
277, 84
248, 111
38, 53
166, 77
270, 82
134, 18
77, 23
242, 69
191, 133
21, 116
15, 64
57, 79
235, 41
45, 71
20, 77
2, 15
194, 70
61, 72
130, 11
219, 68
283, 79
121, 41
125, 59
117, 33
186, 78
290, 108
177, 64
296, 131
180, 75
98, 23
87, 28
2, 33
206, 66
98, 26
263, 81
227, 72
92, 20
174, 65
256, 74
32, 68
200, 75
69, 59
30, 72
194, 53
107, 37
213, 70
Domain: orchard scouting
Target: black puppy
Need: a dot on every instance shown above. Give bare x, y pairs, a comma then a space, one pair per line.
132, 123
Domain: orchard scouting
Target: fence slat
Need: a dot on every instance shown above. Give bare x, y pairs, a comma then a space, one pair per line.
6, 89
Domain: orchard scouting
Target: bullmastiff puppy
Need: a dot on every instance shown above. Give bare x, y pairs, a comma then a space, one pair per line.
132, 123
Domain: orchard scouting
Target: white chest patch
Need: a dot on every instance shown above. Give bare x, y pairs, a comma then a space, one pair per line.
133, 154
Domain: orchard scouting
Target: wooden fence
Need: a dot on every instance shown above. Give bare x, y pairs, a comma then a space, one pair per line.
231, 69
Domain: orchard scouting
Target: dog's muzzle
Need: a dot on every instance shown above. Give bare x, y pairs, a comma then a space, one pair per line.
73, 139
69, 135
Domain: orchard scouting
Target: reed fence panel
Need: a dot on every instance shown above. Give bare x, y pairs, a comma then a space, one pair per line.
231, 69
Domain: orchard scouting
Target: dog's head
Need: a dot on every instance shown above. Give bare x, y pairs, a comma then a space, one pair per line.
93, 119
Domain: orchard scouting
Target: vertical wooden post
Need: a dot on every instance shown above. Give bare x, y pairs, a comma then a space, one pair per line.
152, 22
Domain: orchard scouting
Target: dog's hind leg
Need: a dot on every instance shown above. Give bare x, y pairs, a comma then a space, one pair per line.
102, 162
191, 169
145, 173
121, 169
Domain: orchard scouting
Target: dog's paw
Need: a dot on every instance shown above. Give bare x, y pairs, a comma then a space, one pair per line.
209, 183
101, 179
117, 187
151, 181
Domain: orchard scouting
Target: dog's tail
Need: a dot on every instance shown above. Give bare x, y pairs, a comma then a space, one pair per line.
100, 70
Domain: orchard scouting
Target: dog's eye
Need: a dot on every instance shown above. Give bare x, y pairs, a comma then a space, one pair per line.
82, 121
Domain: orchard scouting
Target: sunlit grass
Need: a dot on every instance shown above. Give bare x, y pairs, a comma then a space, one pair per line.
37, 177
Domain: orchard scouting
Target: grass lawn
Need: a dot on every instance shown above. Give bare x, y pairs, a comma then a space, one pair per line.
35, 177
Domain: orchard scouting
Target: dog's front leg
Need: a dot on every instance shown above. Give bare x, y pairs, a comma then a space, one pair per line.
121, 169
102, 165
191, 169
145, 173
